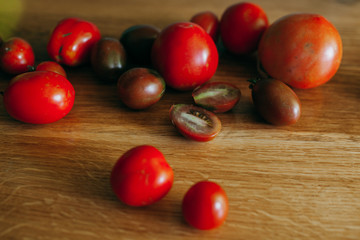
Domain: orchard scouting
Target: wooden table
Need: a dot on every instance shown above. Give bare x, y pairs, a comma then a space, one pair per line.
294, 182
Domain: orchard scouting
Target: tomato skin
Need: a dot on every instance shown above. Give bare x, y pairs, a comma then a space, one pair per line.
194, 122
52, 67
39, 97
140, 88
205, 205
16, 56
185, 55
276, 102
302, 50
241, 27
108, 59
209, 22
138, 41
71, 41
141, 176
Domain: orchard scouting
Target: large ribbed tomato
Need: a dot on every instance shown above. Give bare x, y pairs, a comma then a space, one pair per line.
302, 50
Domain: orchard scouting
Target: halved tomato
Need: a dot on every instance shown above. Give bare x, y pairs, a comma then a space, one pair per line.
217, 96
194, 122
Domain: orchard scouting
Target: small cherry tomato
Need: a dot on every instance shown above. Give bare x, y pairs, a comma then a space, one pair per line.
218, 97
52, 67
276, 102
302, 50
39, 97
205, 205
140, 88
108, 59
185, 55
16, 56
241, 27
71, 41
138, 41
194, 122
141, 176
209, 22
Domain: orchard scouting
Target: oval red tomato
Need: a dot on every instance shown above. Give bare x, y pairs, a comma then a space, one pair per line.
71, 41
241, 27
141, 176
52, 67
205, 205
39, 97
302, 50
209, 22
185, 55
16, 56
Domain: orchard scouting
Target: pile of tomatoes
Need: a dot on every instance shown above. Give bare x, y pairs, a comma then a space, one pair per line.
296, 51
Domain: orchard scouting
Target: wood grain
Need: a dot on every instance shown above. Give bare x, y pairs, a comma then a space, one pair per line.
294, 182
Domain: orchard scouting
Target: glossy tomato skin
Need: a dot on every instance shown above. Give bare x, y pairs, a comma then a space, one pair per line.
302, 50
108, 59
241, 27
195, 122
39, 97
141, 176
205, 205
138, 41
185, 55
276, 102
209, 22
16, 56
140, 88
52, 67
71, 41
217, 97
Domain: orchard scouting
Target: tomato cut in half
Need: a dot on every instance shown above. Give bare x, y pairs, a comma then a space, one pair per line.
217, 96
194, 122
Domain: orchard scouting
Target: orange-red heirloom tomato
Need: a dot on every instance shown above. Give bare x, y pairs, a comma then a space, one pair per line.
302, 50
71, 41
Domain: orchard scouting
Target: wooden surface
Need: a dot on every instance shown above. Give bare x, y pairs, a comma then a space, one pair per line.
294, 182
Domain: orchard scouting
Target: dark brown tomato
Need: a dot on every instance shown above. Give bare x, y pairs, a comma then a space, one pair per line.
138, 41
195, 122
276, 102
108, 59
140, 88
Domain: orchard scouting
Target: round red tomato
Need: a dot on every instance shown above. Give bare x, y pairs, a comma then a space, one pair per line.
205, 205
209, 22
39, 97
241, 27
141, 176
185, 55
52, 67
302, 50
71, 41
16, 56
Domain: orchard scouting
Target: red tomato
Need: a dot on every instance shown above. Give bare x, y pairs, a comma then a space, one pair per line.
218, 97
16, 56
205, 205
71, 41
141, 176
52, 67
39, 97
241, 27
302, 50
185, 55
194, 122
209, 22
